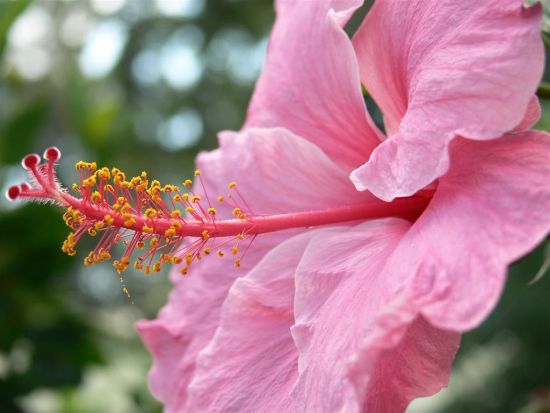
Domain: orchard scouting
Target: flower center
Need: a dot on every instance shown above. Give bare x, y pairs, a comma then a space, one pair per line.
139, 212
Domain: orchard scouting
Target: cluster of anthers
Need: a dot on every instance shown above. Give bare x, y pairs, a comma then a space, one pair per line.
159, 224
149, 219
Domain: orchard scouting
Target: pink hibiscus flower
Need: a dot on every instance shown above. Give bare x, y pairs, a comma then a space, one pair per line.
365, 316
344, 303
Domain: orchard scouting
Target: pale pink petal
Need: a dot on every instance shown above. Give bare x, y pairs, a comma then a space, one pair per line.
362, 345
310, 83
251, 363
490, 209
438, 69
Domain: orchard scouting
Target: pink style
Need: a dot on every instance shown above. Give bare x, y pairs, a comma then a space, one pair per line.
364, 315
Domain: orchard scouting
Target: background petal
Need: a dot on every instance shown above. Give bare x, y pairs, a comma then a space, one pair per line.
310, 82
439, 69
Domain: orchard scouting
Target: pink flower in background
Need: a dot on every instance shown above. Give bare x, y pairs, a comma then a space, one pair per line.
364, 316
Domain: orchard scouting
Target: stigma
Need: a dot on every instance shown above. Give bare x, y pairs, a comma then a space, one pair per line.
158, 224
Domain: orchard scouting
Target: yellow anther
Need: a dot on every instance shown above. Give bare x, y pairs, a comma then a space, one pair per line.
128, 220
190, 209
109, 188
88, 261
150, 213
185, 197
75, 187
232, 184
195, 199
177, 198
156, 267
126, 208
96, 197
197, 172
176, 213
92, 231
147, 270
121, 200
237, 263
220, 253
99, 225
138, 265
147, 229
240, 236
143, 175
205, 234
187, 183
170, 232
188, 258
153, 242
89, 182
212, 211
177, 260
235, 250
206, 251
109, 220
220, 199
199, 256
183, 270
236, 211
140, 244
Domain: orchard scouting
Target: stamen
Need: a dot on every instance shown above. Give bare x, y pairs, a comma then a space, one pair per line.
145, 216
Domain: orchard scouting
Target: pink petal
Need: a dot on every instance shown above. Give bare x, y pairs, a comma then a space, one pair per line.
277, 171
188, 321
489, 210
251, 363
362, 345
310, 83
438, 69
532, 115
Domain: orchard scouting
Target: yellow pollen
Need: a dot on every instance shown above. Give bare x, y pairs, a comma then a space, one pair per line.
176, 213
232, 184
220, 253
197, 172
237, 263
109, 220
153, 242
235, 250
195, 199
205, 235
212, 211
150, 213
190, 209
147, 229
206, 251
187, 183
220, 199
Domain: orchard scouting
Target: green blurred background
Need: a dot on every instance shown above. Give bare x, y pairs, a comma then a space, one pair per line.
145, 84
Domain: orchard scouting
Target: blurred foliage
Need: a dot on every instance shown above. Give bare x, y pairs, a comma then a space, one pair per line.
67, 342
